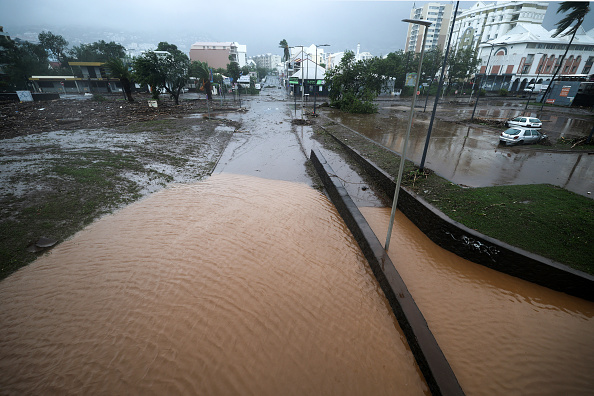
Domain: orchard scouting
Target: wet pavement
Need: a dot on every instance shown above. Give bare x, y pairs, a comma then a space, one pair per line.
471, 155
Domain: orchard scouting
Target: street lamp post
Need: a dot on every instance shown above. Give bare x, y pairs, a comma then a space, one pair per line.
535, 81
410, 121
478, 93
316, 76
439, 86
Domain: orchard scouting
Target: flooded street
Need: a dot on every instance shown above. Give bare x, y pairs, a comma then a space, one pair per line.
235, 285
471, 156
500, 334
249, 282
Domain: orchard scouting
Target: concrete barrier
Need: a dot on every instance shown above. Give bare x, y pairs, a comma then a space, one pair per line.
435, 368
474, 246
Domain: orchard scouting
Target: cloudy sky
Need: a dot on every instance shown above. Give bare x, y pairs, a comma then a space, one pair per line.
260, 24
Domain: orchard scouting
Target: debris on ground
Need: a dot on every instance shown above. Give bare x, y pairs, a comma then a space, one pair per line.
25, 118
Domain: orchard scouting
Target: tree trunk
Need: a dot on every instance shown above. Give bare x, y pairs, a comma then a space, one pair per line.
208, 89
559, 68
127, 90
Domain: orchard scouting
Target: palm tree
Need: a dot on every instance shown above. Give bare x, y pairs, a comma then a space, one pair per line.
577, 13
285, 46
119, 69
201, 71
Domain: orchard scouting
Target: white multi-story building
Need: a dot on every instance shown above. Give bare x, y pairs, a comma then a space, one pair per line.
268, 61
528, 54
486, 21
438, 13
333, 59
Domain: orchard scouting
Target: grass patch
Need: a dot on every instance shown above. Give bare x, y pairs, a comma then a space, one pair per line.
542, 219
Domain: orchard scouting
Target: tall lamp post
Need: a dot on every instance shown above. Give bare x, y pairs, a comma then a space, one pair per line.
478, 92
316, 75
535, 81
439, 86
410, 121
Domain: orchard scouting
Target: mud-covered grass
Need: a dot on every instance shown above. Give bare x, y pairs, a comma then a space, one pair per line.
55, 184
542, 219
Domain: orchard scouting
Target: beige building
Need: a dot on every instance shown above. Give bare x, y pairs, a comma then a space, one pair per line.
217, 54
440, 14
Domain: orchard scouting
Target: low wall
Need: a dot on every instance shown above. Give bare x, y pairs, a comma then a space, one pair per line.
37, 97
435, 368
474, 246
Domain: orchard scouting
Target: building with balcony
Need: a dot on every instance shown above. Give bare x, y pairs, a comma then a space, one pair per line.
528, 54
267, 61
438, 13
219, 54
486, 21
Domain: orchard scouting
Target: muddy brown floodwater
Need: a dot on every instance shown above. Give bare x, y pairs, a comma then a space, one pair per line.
234, 285
500, 334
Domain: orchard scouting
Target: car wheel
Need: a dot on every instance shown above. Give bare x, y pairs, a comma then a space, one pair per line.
520, 142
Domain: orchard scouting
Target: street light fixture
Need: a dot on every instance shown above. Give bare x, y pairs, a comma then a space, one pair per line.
316, 75
439, 87
410, 121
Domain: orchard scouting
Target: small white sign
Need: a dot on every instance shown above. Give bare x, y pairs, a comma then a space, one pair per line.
25, 96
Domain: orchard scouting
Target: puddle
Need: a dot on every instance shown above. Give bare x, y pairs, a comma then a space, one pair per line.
473, 157
500, 334
235, 285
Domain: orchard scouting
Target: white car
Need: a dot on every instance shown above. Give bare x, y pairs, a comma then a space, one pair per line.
521, 135
524, 122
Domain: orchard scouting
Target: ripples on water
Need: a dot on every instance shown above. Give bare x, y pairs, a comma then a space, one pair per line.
501, 335
235, 285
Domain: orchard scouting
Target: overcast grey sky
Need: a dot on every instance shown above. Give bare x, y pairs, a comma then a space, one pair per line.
260, 24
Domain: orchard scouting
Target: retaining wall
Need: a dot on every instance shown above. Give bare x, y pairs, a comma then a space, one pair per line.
437, 372
474, 246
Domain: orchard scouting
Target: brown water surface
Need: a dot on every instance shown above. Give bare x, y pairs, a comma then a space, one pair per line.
235, 285
501, 335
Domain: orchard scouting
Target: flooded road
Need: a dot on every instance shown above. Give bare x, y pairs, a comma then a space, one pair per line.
235, 285
250, 283
471, 156
500, 334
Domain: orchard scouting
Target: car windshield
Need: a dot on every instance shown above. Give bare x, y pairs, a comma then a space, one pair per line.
512, 131
534, 120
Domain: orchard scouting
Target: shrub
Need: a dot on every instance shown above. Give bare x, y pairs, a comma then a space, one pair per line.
503, 92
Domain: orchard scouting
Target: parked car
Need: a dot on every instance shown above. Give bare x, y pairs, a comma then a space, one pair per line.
524, 122
521, 135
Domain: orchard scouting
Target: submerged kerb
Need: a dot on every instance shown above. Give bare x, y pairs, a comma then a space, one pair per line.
435, 368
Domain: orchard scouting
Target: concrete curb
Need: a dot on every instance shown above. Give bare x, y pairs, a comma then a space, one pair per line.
435, 368
476, 247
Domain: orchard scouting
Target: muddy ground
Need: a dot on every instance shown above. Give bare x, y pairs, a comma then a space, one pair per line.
106, 111
57, 176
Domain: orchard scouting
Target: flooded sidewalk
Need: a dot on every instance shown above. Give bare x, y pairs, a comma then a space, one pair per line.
234, 285
245, 283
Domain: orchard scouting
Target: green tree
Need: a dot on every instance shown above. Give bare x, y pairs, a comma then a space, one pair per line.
121, 70
461, 65
285, 46
576, 12
159, 71
20, 61
201, 71
99, 51
353, 85
234, 71
55, 45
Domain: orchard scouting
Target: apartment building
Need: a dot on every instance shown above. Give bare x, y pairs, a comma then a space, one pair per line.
486, 21
219, 54
441, 15
267, 61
